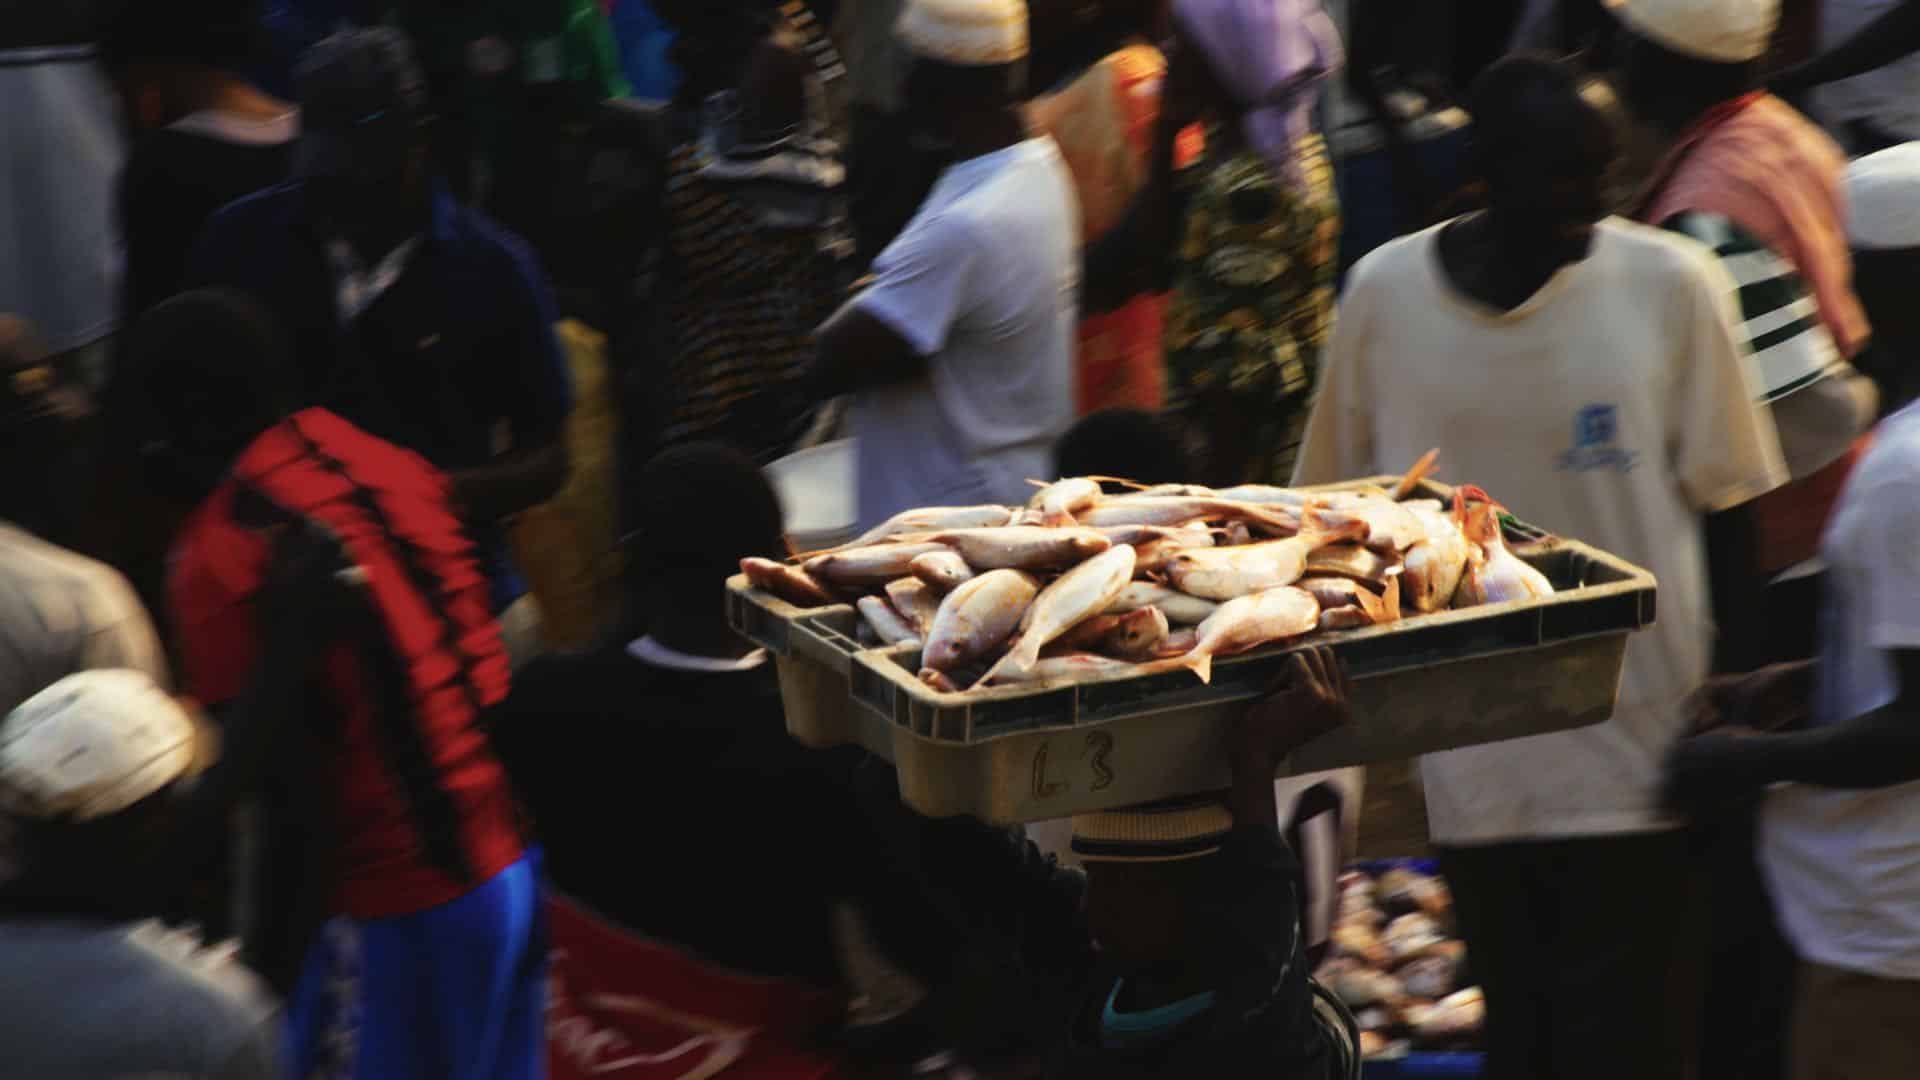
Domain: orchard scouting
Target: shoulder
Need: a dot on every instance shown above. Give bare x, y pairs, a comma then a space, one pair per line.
495, 250
1656, 256
1398, 264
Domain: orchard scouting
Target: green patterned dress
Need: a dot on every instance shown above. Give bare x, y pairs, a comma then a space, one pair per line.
1253, 295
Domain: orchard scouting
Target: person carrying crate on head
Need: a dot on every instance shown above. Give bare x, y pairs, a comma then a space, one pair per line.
1196, 905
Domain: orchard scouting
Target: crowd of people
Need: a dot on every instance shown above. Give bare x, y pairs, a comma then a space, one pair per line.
386, 392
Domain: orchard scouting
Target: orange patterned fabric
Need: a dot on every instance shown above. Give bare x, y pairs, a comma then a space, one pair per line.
1104, 124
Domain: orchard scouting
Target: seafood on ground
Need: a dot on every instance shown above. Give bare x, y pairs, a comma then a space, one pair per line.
977, 618
1493, 575
886, 622
1250, 622
943, 571
1409, 984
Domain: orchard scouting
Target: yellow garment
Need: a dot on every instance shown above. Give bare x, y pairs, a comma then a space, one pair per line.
566, 546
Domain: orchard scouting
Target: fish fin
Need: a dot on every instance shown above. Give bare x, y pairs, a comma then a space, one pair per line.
1200, 663
1374, 608
1062, 519
1025, 653
1390, 600
1419, 471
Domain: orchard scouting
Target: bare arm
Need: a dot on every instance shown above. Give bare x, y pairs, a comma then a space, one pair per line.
507, 485
1875, 750
858, 352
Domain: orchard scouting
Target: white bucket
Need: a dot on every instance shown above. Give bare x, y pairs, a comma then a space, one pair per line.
817, 498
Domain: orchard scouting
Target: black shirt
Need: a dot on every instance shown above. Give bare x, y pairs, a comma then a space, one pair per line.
174, 181
674, 803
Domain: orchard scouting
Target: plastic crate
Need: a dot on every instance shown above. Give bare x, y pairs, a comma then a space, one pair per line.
1032, 753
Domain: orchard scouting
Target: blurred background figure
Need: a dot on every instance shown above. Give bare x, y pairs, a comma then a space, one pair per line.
60, 611
756, 245
1883, 226
95, 776
1247, 237
1864, 82
64, 151
1104, 121
204, 134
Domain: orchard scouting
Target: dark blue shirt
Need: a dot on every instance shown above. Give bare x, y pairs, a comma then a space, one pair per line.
456, 361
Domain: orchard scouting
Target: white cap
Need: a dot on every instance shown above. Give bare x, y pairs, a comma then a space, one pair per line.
1722, 31
965, 33
1883, 198
93, 744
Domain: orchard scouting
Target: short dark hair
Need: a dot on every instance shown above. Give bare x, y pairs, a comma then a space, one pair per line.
1130, 444
709, 506
1529, 104
204, 374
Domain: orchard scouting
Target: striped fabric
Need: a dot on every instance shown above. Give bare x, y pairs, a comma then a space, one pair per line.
1791, 348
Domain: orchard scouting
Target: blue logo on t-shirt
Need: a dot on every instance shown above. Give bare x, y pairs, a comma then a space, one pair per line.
1596, 435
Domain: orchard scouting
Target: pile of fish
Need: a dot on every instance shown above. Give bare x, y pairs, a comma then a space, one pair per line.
1082, 584
1394, 961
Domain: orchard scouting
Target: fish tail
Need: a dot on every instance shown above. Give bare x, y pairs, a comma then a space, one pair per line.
1200, 663
1419, 471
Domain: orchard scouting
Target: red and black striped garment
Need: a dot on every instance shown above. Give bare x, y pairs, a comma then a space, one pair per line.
422, 808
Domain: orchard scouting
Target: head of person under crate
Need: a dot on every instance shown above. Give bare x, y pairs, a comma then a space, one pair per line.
1197, 904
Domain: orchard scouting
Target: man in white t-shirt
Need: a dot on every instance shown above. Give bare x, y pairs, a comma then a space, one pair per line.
1586, 371
961, 350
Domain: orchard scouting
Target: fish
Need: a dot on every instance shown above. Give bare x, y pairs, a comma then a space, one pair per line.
1345, 618
977, 617
938, 680
1391, 527
1081, 592
1493, 575
1178, 510
1086, 636
1019, 547
789, 583
1139, 635
1249, 622
1334, 592
1072, 667
1265, 495
868, 567
1169, 491
1435, 565
1178, 607
1419, 471
1353, 561
1059, 501
1153, 556
1226, 573
1179, 642
1137, 535
916, 602
886, 622
929, 518
943, 570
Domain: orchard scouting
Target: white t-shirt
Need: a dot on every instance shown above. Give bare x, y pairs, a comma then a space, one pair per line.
1845, 865
984, 281
1886, 98
1614, 407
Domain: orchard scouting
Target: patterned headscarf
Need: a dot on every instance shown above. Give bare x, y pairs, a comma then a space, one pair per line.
1272, 56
